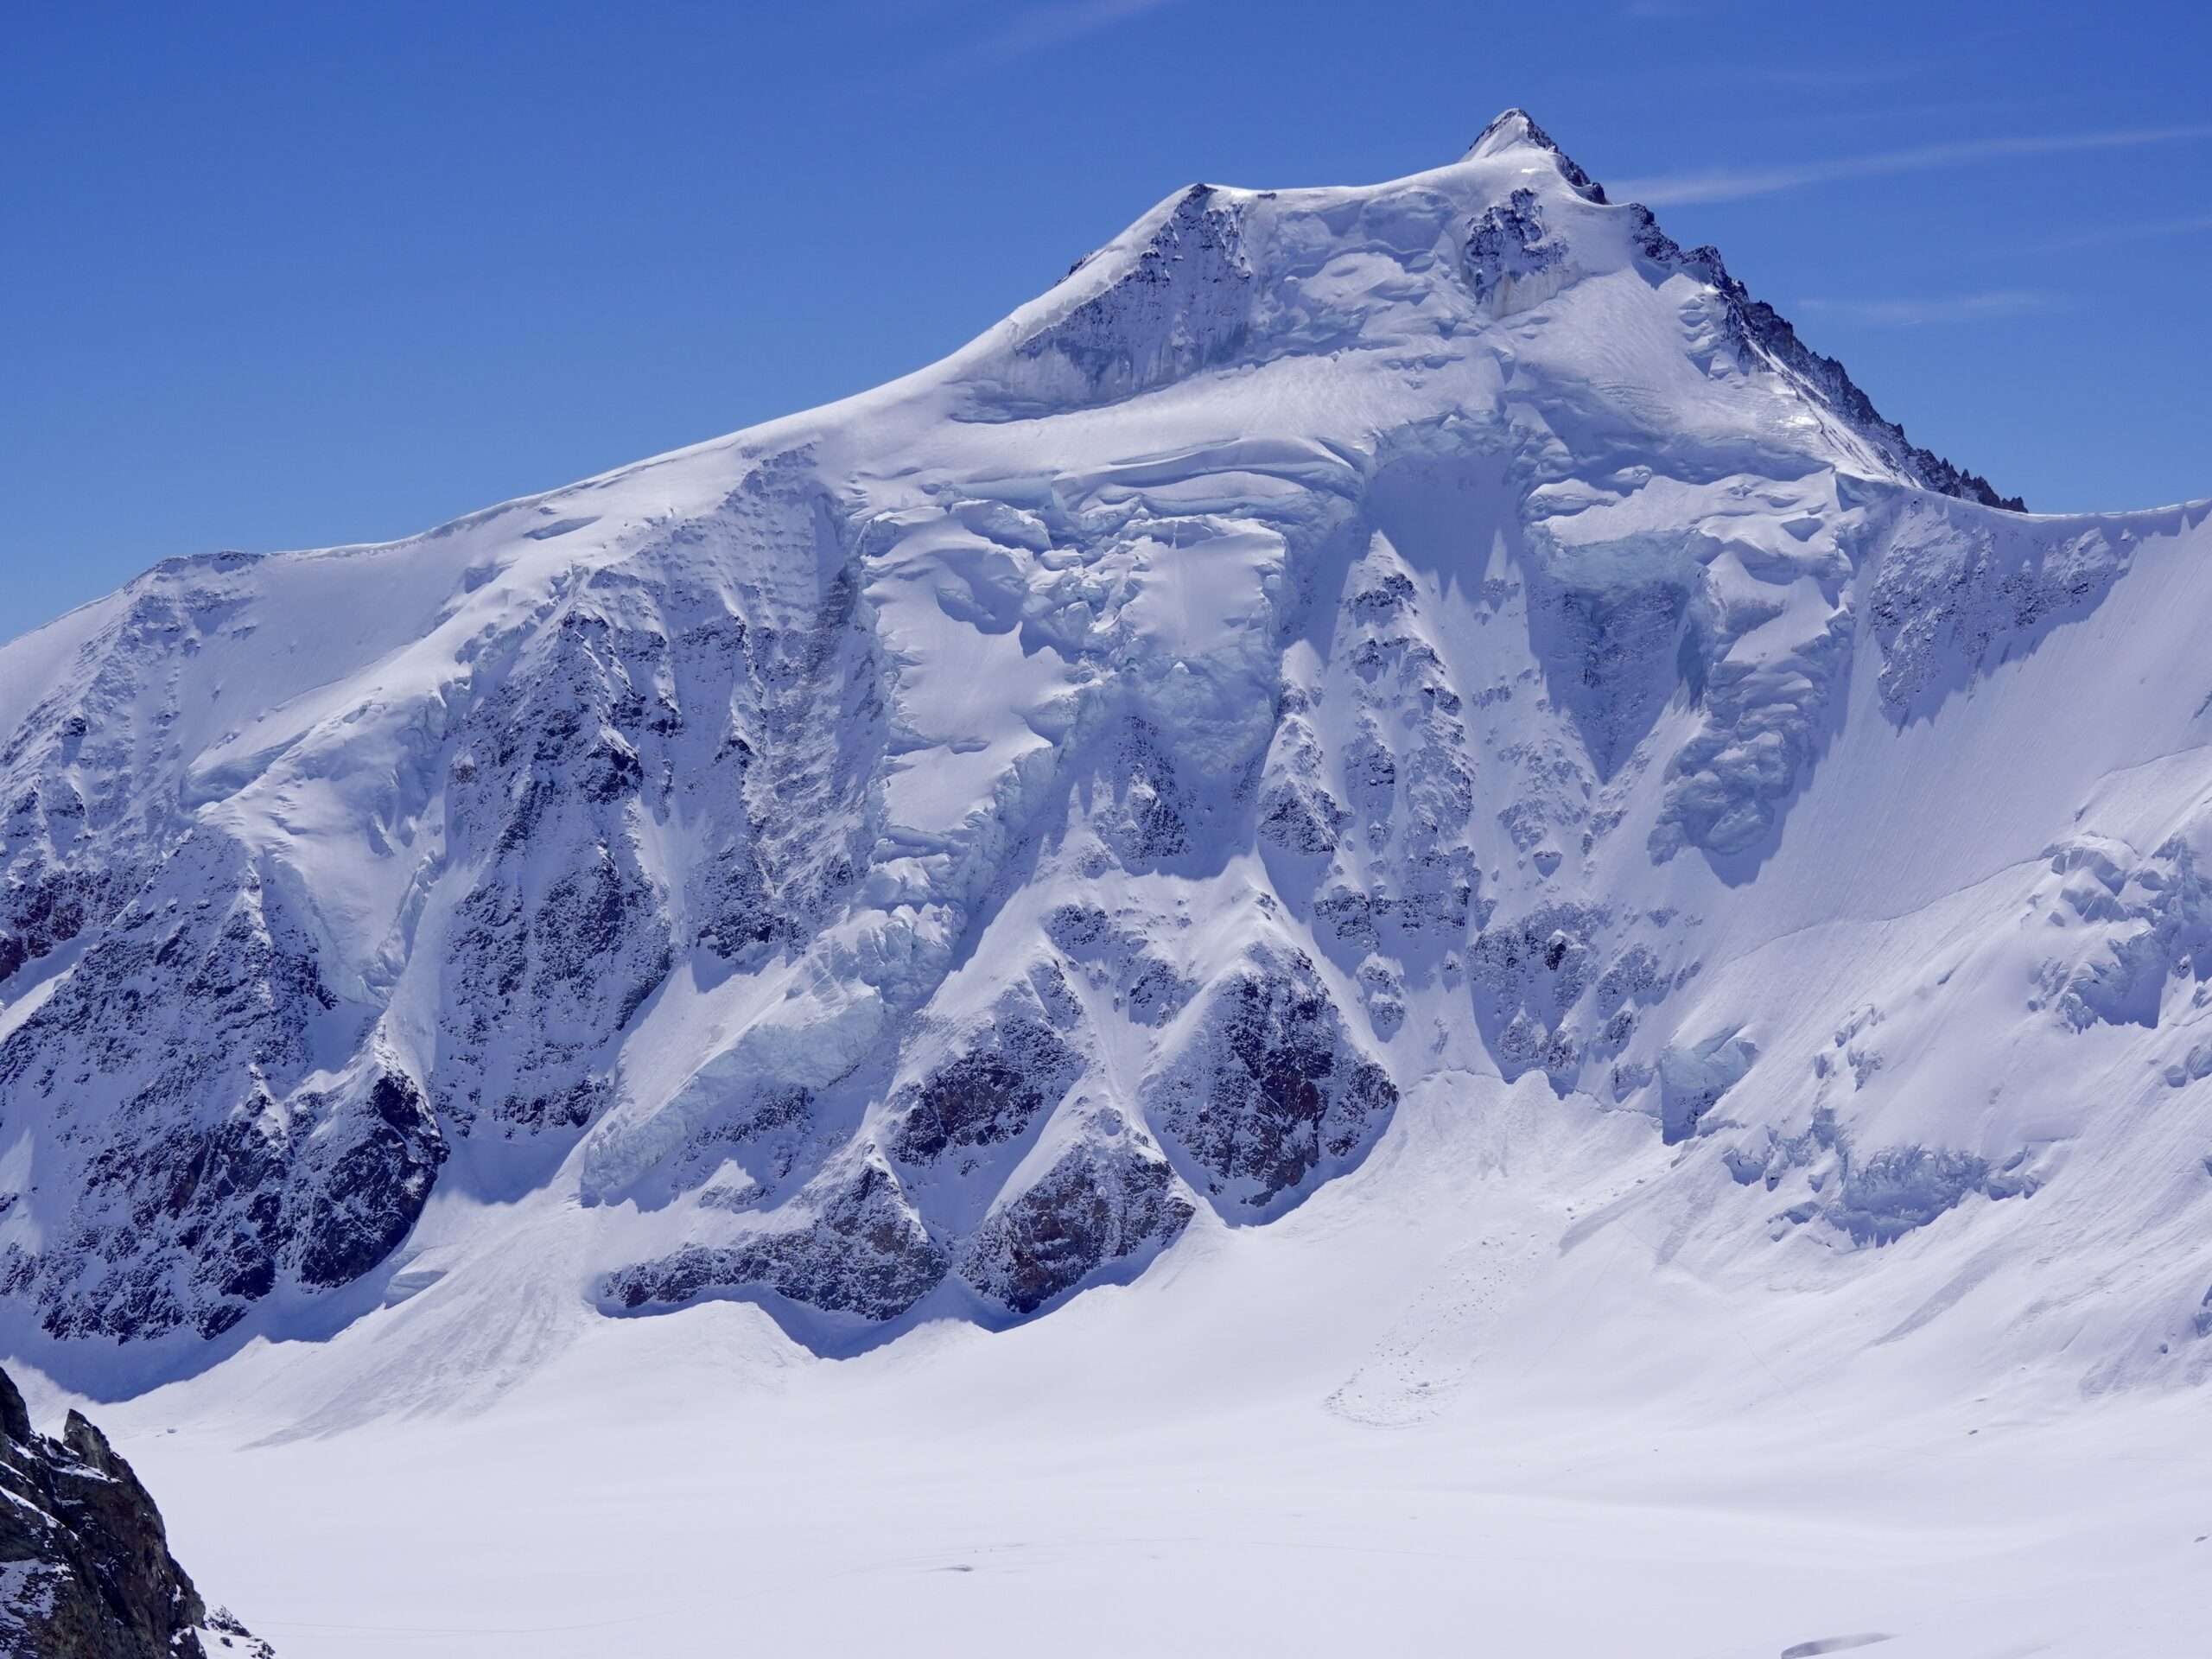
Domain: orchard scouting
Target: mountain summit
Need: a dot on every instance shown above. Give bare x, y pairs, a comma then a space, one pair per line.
1516, 128
1339, 654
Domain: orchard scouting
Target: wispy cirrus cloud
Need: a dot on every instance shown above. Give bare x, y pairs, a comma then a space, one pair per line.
1736, 183
1039, 27
1986, 306
2146, 230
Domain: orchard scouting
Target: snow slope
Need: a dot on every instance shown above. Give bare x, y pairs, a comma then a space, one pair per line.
1466, 1396
1529, 930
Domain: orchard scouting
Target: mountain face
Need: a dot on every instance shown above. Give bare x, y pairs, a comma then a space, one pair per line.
85, 1571
924, 856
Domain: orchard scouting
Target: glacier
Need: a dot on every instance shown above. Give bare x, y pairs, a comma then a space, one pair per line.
1397, 786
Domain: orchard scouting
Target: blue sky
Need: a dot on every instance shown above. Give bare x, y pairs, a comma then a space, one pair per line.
291, 277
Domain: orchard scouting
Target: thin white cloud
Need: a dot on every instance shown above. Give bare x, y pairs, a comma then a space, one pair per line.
1735, 183
1947, 307
1039, 27
2097, 236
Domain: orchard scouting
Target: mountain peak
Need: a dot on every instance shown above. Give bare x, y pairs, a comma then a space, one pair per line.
1214, 277
1508, 128
1515, 127
635, 847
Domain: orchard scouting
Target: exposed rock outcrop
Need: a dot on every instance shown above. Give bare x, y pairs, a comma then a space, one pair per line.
1270, 1094
85, 1571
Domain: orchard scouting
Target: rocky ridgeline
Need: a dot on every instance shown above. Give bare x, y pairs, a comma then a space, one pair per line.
85, 1571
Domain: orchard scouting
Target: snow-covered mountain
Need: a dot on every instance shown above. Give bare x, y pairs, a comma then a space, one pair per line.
926, 856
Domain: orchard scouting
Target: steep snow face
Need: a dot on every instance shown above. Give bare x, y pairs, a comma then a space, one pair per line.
922, 856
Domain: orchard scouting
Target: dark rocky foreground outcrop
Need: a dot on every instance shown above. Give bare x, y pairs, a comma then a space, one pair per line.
85, 1571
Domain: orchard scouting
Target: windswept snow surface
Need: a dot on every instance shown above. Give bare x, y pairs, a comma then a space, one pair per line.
1381, 929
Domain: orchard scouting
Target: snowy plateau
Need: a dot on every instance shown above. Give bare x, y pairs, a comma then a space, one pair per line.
1381, 933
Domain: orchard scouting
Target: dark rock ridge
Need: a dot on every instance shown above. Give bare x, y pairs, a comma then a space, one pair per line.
85, 1571
1759, 327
